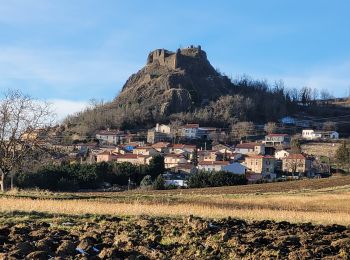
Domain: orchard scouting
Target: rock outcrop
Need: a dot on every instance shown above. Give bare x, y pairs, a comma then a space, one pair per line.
173, 82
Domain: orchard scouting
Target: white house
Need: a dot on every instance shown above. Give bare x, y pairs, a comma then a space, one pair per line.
110, 136
163, 128
310, 134
190, 131
281, 154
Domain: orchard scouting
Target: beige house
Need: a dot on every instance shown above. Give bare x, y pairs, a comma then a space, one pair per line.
250, 148
131, 158
208, 156
165, 129
174, 160
145, 150
260, 164
180, 148
296, 163
162, 147
105, 156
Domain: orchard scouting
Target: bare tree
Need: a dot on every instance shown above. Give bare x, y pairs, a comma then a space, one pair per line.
270, 128
175, 128
23, 122
243, 129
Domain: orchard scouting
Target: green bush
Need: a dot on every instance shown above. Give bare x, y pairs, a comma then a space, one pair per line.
88, 176
146, 181
204, 179
159, 183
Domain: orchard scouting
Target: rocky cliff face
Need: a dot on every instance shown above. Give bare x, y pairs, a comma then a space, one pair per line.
173, 82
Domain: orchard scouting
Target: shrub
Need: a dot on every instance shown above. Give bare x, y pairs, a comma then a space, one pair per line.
204, 179
159, 183
146, 181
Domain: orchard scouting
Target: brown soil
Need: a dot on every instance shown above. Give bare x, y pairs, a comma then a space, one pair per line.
169, 238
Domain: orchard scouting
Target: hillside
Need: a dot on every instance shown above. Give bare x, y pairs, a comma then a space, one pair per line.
173, 82
184, 85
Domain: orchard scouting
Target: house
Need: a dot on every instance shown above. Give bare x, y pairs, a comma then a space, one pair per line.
190, 131
193, 131
162, 147
119, 150
130, 158
174, 160
182, 148
145, 150
236, 168
281, 154
110, 136
165, 129
158, 134
153, 136
250, 148
261, 164
277, 140
105, 156
310, 134
212, 166
205, 132
209, 155
296, 163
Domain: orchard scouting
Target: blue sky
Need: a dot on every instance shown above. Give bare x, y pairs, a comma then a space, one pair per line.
71, 51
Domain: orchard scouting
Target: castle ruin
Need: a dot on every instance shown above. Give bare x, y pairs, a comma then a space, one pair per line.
172, 59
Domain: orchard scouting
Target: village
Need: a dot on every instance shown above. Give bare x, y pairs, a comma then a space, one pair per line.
190, 148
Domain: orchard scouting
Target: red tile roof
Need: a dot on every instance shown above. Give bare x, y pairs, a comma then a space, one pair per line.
191, 126
127, 156
214, 163
182, 146
161, 145
247, 145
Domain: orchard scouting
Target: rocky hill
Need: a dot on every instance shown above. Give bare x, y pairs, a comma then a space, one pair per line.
173, 82
184, 85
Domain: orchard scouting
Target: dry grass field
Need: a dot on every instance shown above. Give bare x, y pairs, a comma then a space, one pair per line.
265, 221
323, 201
321, 149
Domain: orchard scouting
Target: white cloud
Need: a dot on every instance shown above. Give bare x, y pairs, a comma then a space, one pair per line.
63, 108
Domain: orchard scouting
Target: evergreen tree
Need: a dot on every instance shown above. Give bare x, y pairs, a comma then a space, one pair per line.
159, 183
156, 166
342, 154
194, 159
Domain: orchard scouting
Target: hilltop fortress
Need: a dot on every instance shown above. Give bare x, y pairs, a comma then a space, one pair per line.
174, 60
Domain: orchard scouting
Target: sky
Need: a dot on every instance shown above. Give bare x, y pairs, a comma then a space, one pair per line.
69, 52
